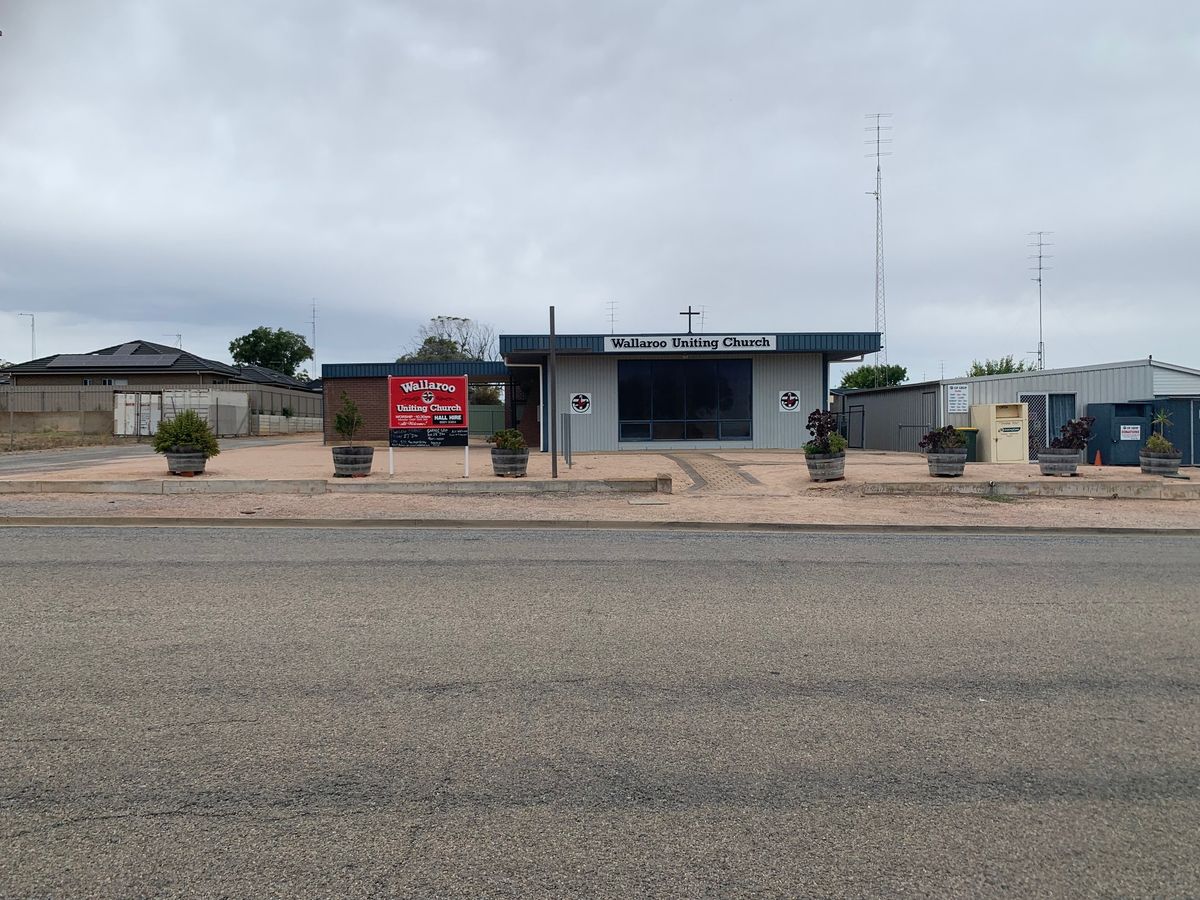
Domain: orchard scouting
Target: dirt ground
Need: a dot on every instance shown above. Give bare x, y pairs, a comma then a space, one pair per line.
733, 487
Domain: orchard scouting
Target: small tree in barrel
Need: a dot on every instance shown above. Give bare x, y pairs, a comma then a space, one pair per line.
349, 420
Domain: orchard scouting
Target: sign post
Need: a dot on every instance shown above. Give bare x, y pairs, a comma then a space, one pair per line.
428, 412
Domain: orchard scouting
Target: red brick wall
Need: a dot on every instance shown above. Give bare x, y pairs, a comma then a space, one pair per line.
371, 396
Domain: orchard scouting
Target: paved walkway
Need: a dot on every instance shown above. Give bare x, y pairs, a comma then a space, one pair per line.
712, 474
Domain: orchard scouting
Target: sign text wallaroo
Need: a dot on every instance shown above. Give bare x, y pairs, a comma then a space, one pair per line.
688, 343
427, 412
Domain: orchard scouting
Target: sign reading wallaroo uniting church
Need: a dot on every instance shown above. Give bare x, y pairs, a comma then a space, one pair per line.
688, 343
427, 412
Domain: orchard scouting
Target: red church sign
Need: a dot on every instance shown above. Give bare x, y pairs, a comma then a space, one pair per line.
427, 412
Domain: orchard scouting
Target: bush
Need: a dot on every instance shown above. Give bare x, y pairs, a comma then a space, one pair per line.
186, 433
1156, 443
349, 420
942, 439
509, 439
1075, 434
822, 425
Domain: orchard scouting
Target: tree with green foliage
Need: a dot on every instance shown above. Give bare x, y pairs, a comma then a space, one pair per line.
1002, 366
280, 350
869, 376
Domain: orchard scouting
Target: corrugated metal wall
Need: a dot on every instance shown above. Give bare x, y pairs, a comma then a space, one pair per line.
895, 419
1169, 383
802, 373
595, 375
1115, 384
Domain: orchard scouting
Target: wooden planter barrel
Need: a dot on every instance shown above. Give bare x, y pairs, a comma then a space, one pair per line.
185, 462
510, 463
1058, 462
1160, 463
826, 466
947, 463
352, 462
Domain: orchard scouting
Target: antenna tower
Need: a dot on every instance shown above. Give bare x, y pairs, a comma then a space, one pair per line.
178, 339
313, 322
1040, 243
611, 307
880, 298
703, 312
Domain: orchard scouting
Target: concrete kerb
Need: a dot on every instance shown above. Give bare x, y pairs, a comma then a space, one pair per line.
1115, 490
659, 484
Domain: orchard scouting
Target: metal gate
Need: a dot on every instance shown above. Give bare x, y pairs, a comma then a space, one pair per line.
1039, 422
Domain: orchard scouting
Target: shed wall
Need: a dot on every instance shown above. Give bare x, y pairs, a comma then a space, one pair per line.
1169, 383
1100, 385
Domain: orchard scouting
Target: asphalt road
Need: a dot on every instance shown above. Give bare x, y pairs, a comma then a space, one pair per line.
20, 462
210, 712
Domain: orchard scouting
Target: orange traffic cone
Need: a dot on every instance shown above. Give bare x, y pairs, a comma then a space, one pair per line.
1097, 462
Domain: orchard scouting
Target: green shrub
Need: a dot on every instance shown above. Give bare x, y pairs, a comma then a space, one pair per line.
509, 439
186, 433
1156, 443
349, 420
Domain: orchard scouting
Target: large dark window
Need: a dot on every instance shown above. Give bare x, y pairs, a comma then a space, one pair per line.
684, 400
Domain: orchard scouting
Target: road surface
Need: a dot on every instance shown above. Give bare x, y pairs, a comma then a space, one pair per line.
352, 713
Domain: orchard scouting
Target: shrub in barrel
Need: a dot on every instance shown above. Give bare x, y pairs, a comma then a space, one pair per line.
187, 442
1158, 456
510, 455
825, 454
1066, 451
945, 451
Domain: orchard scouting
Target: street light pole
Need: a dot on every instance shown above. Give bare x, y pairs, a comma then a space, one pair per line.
32, 335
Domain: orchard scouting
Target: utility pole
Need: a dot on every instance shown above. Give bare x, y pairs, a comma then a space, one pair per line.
880, 297
32, 335
1039, 243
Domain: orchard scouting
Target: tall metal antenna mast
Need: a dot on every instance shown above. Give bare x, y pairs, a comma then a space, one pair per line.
611, 306
178, 338
1039, 242
880, 296
313, 321
703, 313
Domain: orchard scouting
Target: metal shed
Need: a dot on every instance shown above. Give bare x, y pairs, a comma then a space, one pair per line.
895, 418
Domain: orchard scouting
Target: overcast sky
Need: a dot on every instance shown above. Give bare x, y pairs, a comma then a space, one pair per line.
203, 168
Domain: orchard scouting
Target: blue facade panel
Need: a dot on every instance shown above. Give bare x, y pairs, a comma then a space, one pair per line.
382, 370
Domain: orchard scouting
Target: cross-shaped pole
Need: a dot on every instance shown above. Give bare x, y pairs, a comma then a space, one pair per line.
689, 314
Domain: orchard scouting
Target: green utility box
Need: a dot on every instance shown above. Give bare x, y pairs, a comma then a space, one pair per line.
972, 438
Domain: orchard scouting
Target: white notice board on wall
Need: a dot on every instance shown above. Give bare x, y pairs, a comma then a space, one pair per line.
958, 398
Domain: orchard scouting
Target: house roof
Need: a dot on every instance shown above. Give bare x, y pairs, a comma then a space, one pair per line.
132, 356
148, 357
